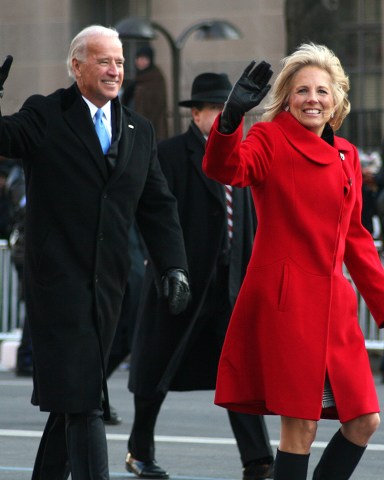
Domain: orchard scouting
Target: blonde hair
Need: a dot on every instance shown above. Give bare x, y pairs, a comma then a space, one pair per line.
310, 54
78, 47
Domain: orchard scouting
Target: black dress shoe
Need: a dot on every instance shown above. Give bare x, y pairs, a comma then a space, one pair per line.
148, 469
257, 471
114, 419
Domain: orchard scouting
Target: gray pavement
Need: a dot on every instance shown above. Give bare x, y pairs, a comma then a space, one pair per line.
194, 440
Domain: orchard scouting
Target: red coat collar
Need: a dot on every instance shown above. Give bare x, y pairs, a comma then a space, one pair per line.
309, 144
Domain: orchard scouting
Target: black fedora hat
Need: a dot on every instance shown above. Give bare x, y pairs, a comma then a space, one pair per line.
208, 88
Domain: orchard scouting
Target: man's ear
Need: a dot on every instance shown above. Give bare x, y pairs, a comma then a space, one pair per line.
76, 67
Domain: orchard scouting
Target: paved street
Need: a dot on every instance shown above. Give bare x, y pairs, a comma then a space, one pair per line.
194, 440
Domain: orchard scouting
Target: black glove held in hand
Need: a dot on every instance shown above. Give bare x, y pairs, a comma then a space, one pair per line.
4, 70
246, 94
175, 288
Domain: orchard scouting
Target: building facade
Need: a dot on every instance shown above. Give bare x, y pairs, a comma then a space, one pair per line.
37, 33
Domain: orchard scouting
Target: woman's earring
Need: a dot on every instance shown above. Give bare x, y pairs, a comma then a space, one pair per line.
286, 108
332, 114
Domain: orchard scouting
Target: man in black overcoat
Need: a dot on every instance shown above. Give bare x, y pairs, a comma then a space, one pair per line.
82, 196
182, 353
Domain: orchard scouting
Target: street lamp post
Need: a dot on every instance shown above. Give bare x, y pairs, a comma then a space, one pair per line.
139, 28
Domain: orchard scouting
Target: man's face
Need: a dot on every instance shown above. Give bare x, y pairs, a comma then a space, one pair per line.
205, 117
100, 76
142, 62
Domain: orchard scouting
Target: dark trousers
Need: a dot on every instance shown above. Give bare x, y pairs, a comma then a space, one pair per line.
251, 436
249, 430
73, 444
24, 351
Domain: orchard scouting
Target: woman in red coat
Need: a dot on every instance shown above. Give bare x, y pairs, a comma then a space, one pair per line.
294, 346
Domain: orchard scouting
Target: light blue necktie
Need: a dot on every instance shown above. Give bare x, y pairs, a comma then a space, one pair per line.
102, 131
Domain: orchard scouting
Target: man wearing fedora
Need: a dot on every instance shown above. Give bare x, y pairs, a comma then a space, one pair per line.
181, 353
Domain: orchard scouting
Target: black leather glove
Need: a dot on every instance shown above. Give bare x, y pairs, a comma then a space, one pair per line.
175, 287
247, 93
4, 70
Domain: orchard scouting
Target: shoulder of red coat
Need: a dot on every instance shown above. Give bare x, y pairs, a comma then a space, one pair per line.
343, 144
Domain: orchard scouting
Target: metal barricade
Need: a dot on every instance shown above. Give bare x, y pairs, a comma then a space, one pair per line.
374, 337
11, 309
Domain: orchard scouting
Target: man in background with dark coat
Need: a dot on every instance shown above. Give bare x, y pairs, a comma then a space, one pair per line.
147, 92
90, 167
182, 353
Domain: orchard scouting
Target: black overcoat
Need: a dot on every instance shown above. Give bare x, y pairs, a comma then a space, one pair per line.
181, 352
78, 219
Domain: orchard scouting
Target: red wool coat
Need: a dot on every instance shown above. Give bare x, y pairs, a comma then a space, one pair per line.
295, 318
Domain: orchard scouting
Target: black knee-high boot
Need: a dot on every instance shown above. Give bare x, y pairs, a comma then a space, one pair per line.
339, 459
290, 466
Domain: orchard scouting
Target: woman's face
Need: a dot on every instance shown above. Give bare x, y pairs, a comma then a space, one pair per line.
311, 100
